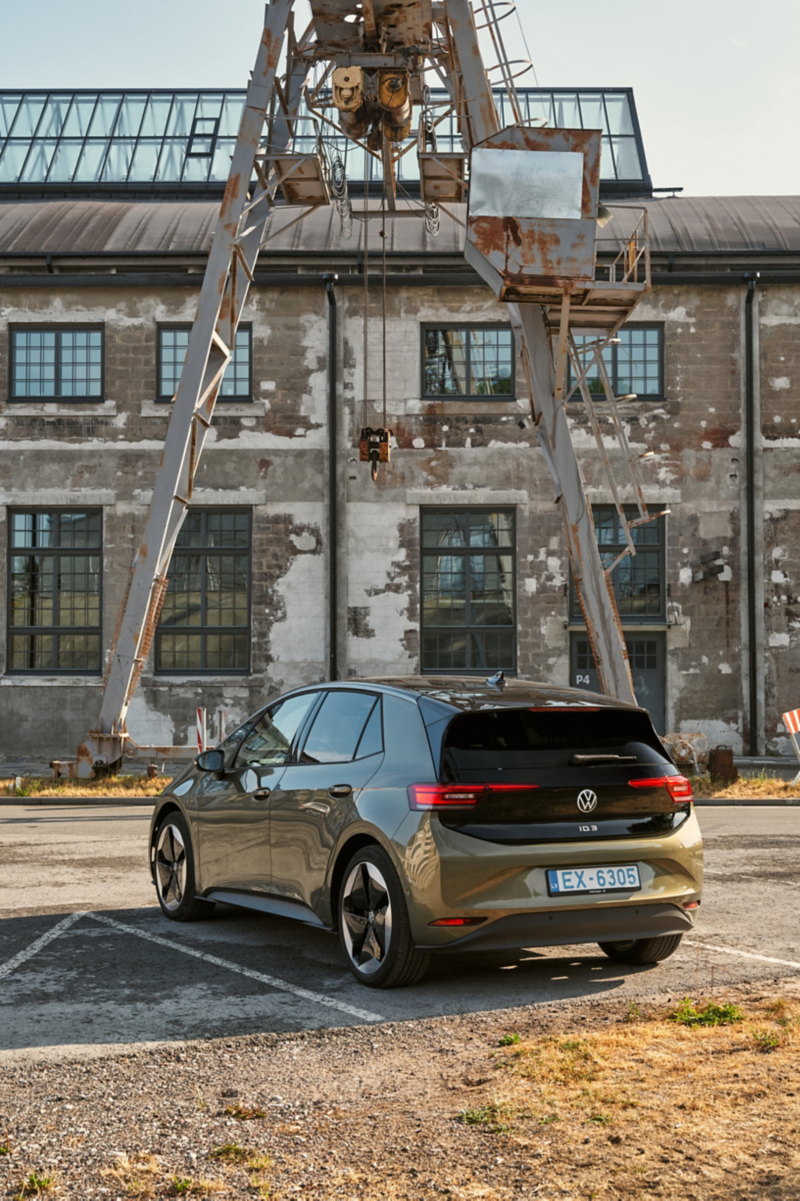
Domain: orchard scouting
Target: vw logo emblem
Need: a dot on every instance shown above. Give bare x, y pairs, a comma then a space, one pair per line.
587, 800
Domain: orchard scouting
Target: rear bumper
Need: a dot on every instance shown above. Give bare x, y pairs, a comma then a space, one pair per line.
565, 927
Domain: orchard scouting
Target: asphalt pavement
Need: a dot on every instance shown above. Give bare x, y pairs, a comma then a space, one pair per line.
87, 962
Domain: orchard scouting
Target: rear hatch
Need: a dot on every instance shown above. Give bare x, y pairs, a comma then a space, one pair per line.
558, 773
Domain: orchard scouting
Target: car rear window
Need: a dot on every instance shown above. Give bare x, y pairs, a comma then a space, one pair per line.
520, 738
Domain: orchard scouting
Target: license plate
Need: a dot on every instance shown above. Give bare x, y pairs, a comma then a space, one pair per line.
576, 880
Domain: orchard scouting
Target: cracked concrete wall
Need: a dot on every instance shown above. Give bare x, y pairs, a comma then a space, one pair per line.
271, 456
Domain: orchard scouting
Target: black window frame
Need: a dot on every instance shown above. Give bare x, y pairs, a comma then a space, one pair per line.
58, 552
245, 327
201, 135
493, 397
628, 619
467, 628
58, 328
203, 629
658, 327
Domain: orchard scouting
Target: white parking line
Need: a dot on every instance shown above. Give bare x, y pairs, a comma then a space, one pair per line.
272, 981
707, 946
11, 964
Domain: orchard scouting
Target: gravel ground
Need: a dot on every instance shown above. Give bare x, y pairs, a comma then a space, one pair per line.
378, 1112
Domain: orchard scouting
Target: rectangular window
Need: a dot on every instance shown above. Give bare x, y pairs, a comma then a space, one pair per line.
55, 564
467, 363
205, 620
173, 342
468, 590
56, 363
635, 363
638, 580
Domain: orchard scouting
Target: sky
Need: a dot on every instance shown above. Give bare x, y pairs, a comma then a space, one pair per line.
716, 82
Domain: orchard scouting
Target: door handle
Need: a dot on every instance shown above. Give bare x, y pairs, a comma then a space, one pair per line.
339, 790
261, 794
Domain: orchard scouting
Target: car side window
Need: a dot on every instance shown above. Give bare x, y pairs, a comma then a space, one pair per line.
270, 742
372, 739
337, 727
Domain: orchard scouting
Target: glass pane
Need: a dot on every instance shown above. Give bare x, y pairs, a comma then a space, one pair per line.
28, 114
79, 652
227, 528
182, 116
34, 371
91, 162
446, 362
592, 110
221, 162
586, 345
491, 590
171, 162
627, 156
639, 585
191, 531
130, 116
444, 652
607, 169
80, 529
639, 362
155, 117
226, 652
118, 162
173, 347
567, 115
32, 652
179, 652
8, 111
53, 117
443, 528
79, 590
81, 363
38, 161
236, 380
145, 161
210, 105
490, 529
444, 590
23, 526
231, 117
32, 586
227, 578
337, 727
79, 117
13, 160
195, 170
104, 116
65, 161
372, 739
271, 740
183, 601
619, 114
605, 526
490, 359
490, 652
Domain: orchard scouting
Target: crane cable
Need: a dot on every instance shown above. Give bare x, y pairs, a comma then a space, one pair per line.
364, 417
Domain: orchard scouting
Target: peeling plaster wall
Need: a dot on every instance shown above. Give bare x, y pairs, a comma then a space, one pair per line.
271, 456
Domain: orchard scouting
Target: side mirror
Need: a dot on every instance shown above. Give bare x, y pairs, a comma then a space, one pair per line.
211, 761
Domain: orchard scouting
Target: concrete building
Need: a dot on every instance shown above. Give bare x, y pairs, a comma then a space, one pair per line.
455, 560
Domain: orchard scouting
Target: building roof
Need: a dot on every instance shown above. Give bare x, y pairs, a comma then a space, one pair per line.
681, 226
89, 142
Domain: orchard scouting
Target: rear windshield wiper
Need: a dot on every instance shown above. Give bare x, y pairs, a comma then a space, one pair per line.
582, 760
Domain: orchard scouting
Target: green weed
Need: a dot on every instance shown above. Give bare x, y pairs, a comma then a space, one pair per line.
231, 1153
601, 1119
767, 1040
508, 1040
490, 1116
710, 1014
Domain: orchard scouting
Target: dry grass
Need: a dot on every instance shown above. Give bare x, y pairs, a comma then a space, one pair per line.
764, 784
114, 786
143, 1177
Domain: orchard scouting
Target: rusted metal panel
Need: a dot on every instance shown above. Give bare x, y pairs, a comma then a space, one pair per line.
401, 23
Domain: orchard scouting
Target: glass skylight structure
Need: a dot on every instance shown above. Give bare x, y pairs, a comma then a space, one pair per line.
167, 141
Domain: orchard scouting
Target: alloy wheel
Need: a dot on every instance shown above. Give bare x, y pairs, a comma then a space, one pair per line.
366, 918
170, 867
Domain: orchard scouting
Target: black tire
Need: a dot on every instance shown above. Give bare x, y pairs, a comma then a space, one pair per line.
379, 952
172, 865
642, 950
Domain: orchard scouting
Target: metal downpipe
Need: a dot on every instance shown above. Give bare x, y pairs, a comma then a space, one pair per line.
333, 498
750, 510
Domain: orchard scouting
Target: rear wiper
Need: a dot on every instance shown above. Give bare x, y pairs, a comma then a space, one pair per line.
582, 760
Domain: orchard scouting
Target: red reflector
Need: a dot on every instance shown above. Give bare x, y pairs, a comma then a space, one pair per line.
678, 787
691, 904
438, 796
457, 921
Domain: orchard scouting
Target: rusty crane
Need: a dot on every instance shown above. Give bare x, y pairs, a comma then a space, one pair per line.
532, 218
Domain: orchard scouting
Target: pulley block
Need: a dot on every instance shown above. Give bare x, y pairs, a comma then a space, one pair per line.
375, 447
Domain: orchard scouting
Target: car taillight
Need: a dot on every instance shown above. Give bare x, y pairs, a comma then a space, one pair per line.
678, 787
441, 796
457, 921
